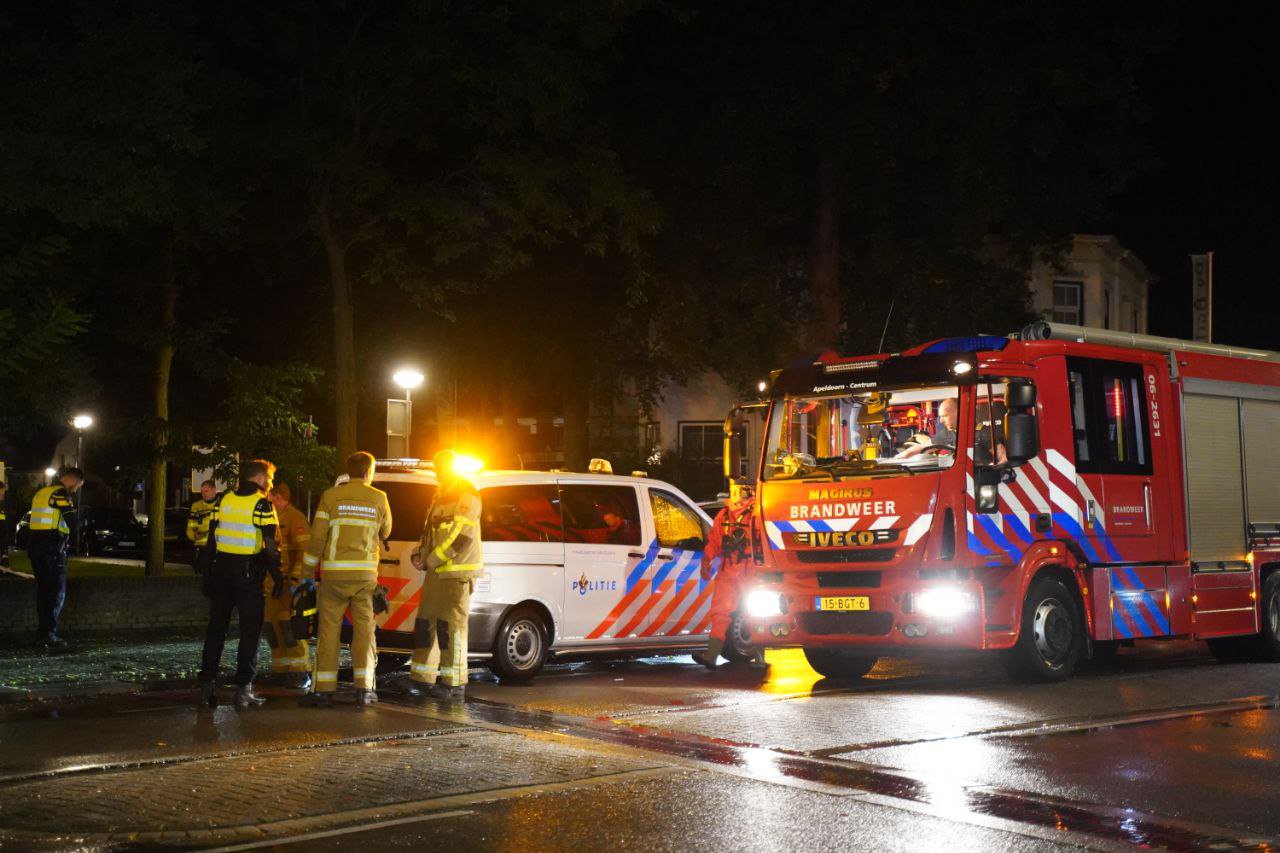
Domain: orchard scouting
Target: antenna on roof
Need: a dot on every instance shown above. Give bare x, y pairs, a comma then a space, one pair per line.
885, 331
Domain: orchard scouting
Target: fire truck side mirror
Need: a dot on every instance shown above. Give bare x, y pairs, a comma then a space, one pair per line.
1021, 441
1021, 395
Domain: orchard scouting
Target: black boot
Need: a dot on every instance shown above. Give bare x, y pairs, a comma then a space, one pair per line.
301, 681
710, 657
418, 690
246, 698
449, 694
208, 693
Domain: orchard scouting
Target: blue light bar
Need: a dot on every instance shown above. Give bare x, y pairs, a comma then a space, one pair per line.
977, 343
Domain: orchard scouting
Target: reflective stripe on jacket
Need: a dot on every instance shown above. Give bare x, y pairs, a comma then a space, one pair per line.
49, 509
450, 544
347, 531
241, 519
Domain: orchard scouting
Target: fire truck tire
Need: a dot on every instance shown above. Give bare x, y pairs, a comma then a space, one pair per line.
1269, 640
836, 663
1051, 641
520, 649
737, 646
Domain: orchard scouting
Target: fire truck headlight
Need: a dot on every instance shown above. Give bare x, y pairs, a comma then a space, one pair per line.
943, 603
761, 604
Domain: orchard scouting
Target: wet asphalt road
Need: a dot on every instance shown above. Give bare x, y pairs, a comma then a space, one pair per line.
1164, 748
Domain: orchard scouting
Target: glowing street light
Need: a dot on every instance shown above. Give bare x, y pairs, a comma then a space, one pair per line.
50, 472
81, 422
400, 412
408, 379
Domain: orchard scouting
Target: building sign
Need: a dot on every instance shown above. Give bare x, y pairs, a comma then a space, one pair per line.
1202, 297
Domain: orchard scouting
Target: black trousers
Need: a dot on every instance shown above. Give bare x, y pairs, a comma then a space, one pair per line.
233, 583
49, 565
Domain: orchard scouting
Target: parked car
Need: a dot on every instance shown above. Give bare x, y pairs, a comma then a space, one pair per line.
559, 579
111, 531
107, 531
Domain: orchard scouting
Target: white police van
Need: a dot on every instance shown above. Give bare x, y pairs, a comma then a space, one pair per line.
574, 565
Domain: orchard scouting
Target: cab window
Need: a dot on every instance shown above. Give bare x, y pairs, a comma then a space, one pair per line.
409, 503
521, 514
607, 515
1109, 416
677, 525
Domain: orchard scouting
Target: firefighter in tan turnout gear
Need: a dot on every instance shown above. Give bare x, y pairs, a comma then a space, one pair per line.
449, 553
352, 520
290, 657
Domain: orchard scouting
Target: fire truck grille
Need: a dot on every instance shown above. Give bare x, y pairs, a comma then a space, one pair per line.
848, 555
871, 623
841, 580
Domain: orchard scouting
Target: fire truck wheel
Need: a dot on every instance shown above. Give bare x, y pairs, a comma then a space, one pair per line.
521, 647
737, 647
1269, 641
836, 663
1052, 637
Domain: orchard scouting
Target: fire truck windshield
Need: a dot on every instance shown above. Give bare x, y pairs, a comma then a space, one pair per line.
875, 433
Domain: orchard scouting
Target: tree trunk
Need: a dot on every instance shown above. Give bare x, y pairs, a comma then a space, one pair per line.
823, 329
159, 485
344, 344
577, 407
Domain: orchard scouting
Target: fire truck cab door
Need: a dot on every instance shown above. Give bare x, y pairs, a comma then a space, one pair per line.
1120, 456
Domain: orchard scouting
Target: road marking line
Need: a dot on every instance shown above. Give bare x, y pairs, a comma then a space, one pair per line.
313, 836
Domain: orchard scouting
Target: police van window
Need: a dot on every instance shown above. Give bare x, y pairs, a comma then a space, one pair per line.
608, 515
521, 514
1109, 417
409, 503
676, 524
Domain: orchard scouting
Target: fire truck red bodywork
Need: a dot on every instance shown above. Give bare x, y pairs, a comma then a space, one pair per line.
1119, 540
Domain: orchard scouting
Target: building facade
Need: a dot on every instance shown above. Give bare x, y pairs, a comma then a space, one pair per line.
1097, 283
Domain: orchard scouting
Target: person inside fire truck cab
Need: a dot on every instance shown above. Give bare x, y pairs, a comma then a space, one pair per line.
943, 437
989, 434
727, 561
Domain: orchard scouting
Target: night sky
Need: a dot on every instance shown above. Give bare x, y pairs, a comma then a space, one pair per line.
1211, 97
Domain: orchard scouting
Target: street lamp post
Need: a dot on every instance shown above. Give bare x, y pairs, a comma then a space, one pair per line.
81, 422
402, 410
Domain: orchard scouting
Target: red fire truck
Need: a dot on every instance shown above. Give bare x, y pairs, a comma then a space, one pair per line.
1051, 495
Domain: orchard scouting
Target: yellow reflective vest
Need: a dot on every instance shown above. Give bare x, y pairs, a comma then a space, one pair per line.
450, 544
347, 531
241, 519
49, 510
198, 520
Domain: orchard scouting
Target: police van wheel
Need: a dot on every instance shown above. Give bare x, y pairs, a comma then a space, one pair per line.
837, 663
738, 647
521, 647
1052, 638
